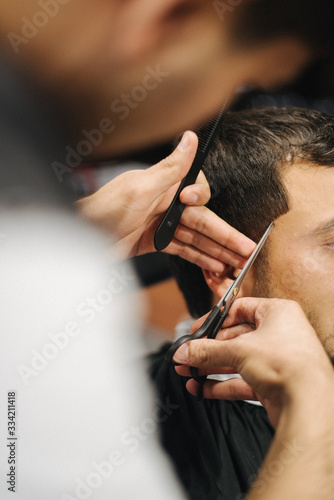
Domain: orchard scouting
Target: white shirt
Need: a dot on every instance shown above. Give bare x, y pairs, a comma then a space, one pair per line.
82, 417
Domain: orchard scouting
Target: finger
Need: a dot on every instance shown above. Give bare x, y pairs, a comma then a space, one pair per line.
210, 353
198, 323
234, 389
209, 246
184, 371
244, 310
203, 221
172, 169
250, 310
226, 333
235, 331
194, 256
197, 194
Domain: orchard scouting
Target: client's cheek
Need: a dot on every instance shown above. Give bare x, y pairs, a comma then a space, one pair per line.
291, 281
301, 271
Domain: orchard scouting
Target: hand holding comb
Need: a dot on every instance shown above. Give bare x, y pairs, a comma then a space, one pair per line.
206, 135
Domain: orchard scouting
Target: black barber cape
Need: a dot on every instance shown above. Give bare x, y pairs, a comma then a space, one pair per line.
217, 447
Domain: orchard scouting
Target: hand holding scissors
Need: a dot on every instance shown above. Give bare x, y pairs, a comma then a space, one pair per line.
219, 313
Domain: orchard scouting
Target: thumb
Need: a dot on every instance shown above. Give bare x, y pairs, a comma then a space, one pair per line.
172, 169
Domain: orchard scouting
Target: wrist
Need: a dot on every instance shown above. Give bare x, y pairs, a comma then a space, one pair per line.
93, 209
307, 396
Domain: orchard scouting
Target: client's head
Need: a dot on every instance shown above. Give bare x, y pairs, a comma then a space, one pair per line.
274, 164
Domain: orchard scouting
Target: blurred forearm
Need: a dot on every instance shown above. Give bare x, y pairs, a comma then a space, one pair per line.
300, 462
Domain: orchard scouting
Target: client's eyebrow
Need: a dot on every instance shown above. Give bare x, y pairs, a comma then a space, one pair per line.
323, 229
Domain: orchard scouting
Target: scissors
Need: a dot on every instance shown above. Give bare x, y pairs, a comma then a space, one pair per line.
219, 313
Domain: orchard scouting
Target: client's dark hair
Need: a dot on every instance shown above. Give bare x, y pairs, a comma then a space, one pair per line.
244, 169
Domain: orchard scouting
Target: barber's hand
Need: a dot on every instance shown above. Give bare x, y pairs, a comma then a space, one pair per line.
131, 207
271, 344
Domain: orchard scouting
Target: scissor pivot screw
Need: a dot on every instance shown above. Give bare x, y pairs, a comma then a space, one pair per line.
235, 291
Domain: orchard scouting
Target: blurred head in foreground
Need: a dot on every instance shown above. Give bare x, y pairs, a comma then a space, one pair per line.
142, 71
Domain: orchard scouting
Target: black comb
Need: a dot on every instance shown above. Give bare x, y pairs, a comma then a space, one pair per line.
206, 135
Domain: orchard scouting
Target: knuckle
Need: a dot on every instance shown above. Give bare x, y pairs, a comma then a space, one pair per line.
168, 162
228, 236
183, 234
201, 224
182, 252
294, 308
199, 353
286, 303
198, 260
196, 240
264, 306
222, 255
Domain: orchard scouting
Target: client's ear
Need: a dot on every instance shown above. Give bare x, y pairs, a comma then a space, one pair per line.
219, 282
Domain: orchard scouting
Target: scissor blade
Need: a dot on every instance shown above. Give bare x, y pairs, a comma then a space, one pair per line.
233, 289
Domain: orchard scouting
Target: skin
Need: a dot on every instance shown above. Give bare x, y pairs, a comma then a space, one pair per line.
290, 382
91, 53
301, 249
293, 380
110, 43
90, 56
131, 206
299, 256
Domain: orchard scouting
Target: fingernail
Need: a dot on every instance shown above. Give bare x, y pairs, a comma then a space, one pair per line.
183, 145
181, 355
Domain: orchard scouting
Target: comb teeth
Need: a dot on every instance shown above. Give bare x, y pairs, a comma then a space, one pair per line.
207, 133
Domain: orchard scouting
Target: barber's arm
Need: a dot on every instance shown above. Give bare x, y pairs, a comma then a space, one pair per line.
131, 207
283, 364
